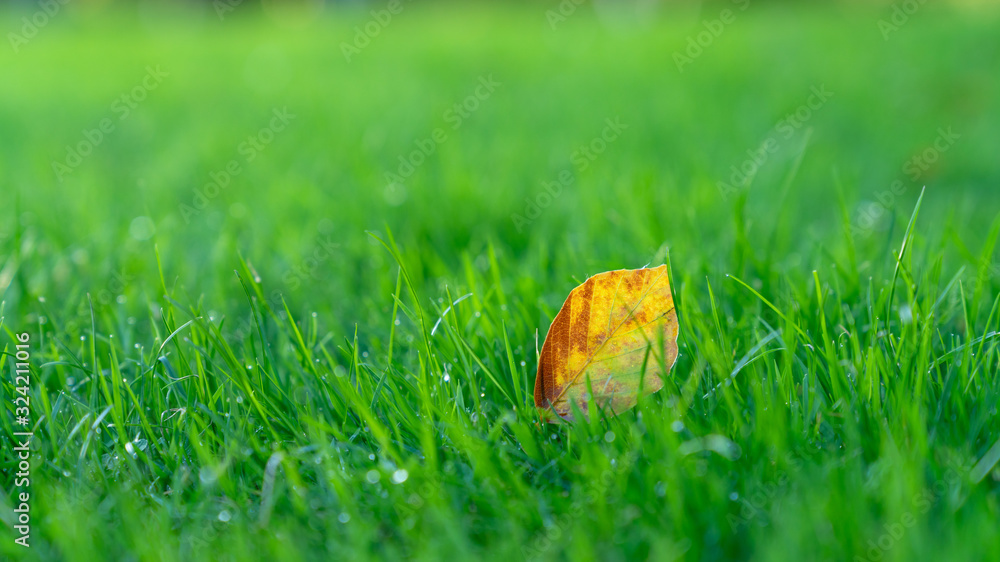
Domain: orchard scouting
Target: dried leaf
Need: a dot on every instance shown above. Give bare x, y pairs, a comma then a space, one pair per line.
617, 330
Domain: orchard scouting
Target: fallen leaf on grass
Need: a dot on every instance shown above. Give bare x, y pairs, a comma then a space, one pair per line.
615, 335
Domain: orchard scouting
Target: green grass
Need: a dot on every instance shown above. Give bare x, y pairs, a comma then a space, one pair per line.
283, 374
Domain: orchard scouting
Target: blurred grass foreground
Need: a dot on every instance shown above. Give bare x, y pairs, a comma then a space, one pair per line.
274, 276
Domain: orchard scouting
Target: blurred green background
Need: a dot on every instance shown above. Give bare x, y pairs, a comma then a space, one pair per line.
325, 175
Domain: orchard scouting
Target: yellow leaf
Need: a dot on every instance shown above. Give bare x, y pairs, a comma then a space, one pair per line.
607, 331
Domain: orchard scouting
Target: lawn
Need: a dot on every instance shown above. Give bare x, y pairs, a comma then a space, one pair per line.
284, 274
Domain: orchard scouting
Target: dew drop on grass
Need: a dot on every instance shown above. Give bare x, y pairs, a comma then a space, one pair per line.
906, 314
734, 496
373, 476
609, 437
224, 516
344, 517
400, 476
396, 322
677, 426
660, 489
371, 457
205, 475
